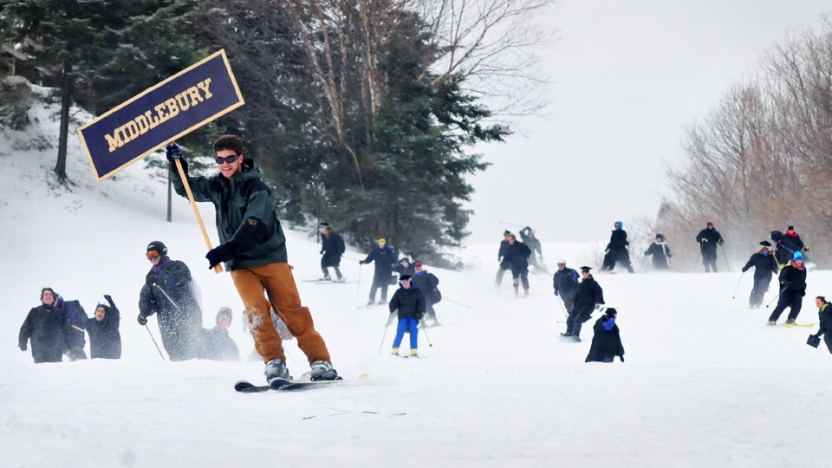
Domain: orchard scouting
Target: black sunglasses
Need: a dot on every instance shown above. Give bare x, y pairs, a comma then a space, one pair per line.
227, 160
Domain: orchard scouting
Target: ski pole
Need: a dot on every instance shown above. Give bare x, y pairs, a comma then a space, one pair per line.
776, 297
386, 325
457, 303
511, 224
738, 286
154, 341
696, 262
726, 258
166, 295
358, 287
425, 331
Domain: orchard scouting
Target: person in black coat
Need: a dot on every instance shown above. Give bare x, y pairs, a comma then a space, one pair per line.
528, 237
660, 252
589, 294
48, 329
764, 266
606, 343
708, 239
409, 303
218, 344
616, 251
404, 267
792, 290
169, 293
332, 247
566, 285
787, 244
825, 317
517, 255
105, 339
501, 258
427, 283
384, 259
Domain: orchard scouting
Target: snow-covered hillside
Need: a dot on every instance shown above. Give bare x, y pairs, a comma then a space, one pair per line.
705, 382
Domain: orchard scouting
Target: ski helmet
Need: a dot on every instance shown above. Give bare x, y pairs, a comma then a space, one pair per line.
157, 246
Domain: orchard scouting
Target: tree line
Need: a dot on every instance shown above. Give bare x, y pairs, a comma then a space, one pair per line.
762, 158
363, 113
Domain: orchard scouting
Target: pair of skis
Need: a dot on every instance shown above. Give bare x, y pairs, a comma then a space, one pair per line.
283, 385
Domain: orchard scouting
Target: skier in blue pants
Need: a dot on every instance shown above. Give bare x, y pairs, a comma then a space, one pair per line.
409, 302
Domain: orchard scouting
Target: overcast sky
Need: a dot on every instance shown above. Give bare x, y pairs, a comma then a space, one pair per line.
628, 76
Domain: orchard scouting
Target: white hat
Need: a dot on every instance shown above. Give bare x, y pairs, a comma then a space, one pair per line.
561, 261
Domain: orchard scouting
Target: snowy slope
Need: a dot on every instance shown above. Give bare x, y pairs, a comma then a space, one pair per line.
705, 382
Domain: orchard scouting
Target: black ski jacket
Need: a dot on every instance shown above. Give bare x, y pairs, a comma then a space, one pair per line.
714, 238
410, 303
566, 283
660, 252
793, 279
606, 344
618, 240
105, 338
517, 255
332, 249
49, 331
764, 265
589, 294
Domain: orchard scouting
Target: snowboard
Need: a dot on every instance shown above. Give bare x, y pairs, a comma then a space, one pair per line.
283, 385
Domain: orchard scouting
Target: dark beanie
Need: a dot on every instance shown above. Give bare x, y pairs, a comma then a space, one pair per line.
404, 277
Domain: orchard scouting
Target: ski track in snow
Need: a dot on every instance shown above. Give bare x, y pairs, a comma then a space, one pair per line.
706, 383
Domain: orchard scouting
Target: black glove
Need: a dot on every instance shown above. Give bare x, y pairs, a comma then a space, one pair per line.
556, 292
23, 346
218, 255
361, 262
621, 357
720, 242
108, 297
142, 319
744, 270
153, 279
173, 151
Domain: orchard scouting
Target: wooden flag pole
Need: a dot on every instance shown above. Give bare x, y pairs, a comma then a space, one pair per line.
217, 268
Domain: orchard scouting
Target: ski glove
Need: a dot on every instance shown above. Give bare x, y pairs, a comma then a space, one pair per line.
720, 242
704, 240
806, 249
218, 255
23, 346
361, 262
173, 151
154, 279
621, 357
142, 319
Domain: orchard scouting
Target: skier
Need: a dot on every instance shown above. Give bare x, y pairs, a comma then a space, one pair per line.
77, 317
825, 317
254, 249
792, 290
764, 265
617, 249
660, 252
384, 257
588, 297
105, 338
332, 247
787, 244
404, 267
566, 285
168, 292
517, 255
606, 343
501, 258
218, 344
409, 303
427, 283
708, 239
48, 328
528, 238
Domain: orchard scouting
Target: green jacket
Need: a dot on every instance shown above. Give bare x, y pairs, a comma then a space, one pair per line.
241, 202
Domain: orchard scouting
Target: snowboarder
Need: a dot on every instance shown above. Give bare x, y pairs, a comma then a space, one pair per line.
218, 344
332, 247
787, 244
384, 258
660, 252
589, 296
566, 284
427, 283
617, 249
168, 292
764, 265
606, 343
528, 237
517, 255
48, 329
501, 258
708, 239
105, 338
409, 303
825, 317
253, 247
792, 290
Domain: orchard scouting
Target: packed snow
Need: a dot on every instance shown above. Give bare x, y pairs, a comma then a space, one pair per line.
705, 382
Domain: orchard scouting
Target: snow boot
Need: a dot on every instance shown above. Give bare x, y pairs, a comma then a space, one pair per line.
325, 278
276, 369
772, 323
395, 352
790, 322
322, 370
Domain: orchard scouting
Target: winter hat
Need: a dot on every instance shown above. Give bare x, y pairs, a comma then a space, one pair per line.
709, 224
404, 277
382, 241
157, 246
225, 311
660, 236
610, 312
418, 264
790, 228
585, 269
765, 243
619, 224
560, 261
798, 255
506, 232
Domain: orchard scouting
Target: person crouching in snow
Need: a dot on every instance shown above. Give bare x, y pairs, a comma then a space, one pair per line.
606, 344
410, 304
825, 316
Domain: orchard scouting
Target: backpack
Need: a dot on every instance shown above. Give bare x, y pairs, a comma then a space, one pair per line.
435, 296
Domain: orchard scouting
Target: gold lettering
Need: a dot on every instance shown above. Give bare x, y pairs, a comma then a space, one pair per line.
160, 110
124, 136
154, 120
182, 100
196, 98
141, 121
132, 130
204, 87
114, 141
172, 108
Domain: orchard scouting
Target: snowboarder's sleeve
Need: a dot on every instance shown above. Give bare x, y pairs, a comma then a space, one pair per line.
749, 264
25, 330
200, 186
146, 302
